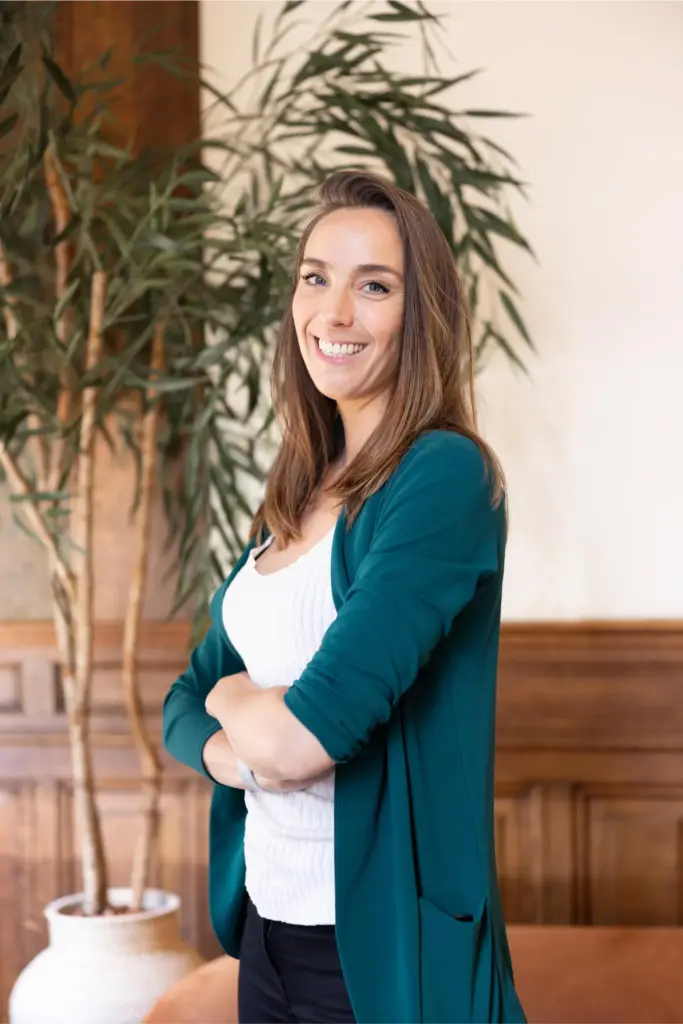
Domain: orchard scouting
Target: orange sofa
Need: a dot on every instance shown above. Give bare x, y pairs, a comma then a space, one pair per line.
564, 975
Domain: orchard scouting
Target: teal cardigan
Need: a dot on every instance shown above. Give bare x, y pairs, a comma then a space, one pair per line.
401, 694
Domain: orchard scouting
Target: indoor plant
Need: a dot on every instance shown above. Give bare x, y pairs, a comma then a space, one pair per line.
98, 274
137, 304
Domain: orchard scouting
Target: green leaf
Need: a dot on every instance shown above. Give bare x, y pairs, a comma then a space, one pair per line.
256, 39
516, 318
162, 242
498, 149
101, 148
105, 58
59, 78
66, 298
35, 497
490, 222
486, 181
400, 12
432, 126
487, 254
8, 124
489, 113
10, 72
25, 529
290, 6
355, 150
507, 348
448, 83
438, 203
270, 86
473, 296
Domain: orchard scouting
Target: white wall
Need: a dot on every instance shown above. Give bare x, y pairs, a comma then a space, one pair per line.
591, 444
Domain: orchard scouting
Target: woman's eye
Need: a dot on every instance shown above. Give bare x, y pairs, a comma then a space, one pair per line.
376, 288
313, 278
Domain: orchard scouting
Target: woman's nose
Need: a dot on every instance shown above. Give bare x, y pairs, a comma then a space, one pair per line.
338, 307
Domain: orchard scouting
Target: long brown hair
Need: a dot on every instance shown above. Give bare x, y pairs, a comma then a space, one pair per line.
434, 385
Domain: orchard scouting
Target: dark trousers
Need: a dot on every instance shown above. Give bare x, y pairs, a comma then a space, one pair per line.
290, 974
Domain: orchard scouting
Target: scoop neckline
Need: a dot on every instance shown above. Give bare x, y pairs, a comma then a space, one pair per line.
291, 565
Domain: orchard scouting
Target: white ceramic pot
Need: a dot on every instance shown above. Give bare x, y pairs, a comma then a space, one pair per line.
103, 970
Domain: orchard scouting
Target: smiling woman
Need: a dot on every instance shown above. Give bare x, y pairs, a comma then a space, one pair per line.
349, 304
373, 268
343, 700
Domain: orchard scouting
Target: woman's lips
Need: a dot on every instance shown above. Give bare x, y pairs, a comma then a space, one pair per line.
339, 351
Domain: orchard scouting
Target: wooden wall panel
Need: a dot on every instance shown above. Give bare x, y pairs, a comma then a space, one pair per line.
634, 850
589, 820
152, 107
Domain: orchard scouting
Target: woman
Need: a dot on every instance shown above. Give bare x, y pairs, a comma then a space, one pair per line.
343, 700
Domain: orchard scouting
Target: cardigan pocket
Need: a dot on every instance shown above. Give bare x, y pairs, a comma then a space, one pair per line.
450, 954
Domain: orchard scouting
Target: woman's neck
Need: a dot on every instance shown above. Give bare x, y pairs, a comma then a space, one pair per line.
359, 424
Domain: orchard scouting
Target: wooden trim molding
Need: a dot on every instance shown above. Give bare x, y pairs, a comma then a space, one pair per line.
572, 638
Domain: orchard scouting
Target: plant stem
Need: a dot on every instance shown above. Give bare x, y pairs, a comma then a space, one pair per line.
60, 211
149, 759
94, 865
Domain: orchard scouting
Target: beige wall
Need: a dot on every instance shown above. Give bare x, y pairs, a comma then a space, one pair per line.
591, 442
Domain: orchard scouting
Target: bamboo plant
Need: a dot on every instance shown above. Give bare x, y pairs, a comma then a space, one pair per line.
139, 306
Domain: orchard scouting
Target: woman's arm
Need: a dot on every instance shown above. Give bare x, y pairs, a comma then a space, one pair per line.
437, 540
186, 724
247, 713
220, 762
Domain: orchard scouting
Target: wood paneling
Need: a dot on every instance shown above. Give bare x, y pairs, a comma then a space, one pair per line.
152, 107
589, 807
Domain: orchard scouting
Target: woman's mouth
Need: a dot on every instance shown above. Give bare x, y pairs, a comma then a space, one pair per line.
337, 351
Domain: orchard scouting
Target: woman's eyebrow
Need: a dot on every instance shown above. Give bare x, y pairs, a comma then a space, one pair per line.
362, 268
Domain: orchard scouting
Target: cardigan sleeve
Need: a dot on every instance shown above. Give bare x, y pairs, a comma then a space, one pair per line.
186, 724
436, 541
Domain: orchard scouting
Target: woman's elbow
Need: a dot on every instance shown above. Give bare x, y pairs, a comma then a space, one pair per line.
284, 749
301, 757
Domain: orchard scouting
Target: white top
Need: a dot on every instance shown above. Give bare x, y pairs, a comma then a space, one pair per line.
276, 623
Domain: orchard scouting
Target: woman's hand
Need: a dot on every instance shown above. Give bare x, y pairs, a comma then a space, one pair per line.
225, 690
220, 762
264, 733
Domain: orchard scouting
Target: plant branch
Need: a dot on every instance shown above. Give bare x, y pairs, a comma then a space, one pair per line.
60, 212
83, 510
149, 759
94, 863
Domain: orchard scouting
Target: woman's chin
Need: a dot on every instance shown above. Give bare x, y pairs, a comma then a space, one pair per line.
335, 389
334, 393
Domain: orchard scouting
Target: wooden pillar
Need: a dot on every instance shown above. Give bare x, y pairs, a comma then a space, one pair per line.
152, 107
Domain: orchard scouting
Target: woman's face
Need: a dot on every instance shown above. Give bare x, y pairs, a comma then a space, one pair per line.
348, 305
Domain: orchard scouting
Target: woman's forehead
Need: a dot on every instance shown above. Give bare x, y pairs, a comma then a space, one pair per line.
356, 236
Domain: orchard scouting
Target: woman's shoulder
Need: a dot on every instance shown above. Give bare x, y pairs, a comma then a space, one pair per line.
443, 451
443, 477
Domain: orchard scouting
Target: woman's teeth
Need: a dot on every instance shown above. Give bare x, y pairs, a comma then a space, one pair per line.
328, 349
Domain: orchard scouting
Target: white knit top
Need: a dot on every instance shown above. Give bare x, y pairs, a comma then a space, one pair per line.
276, 623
